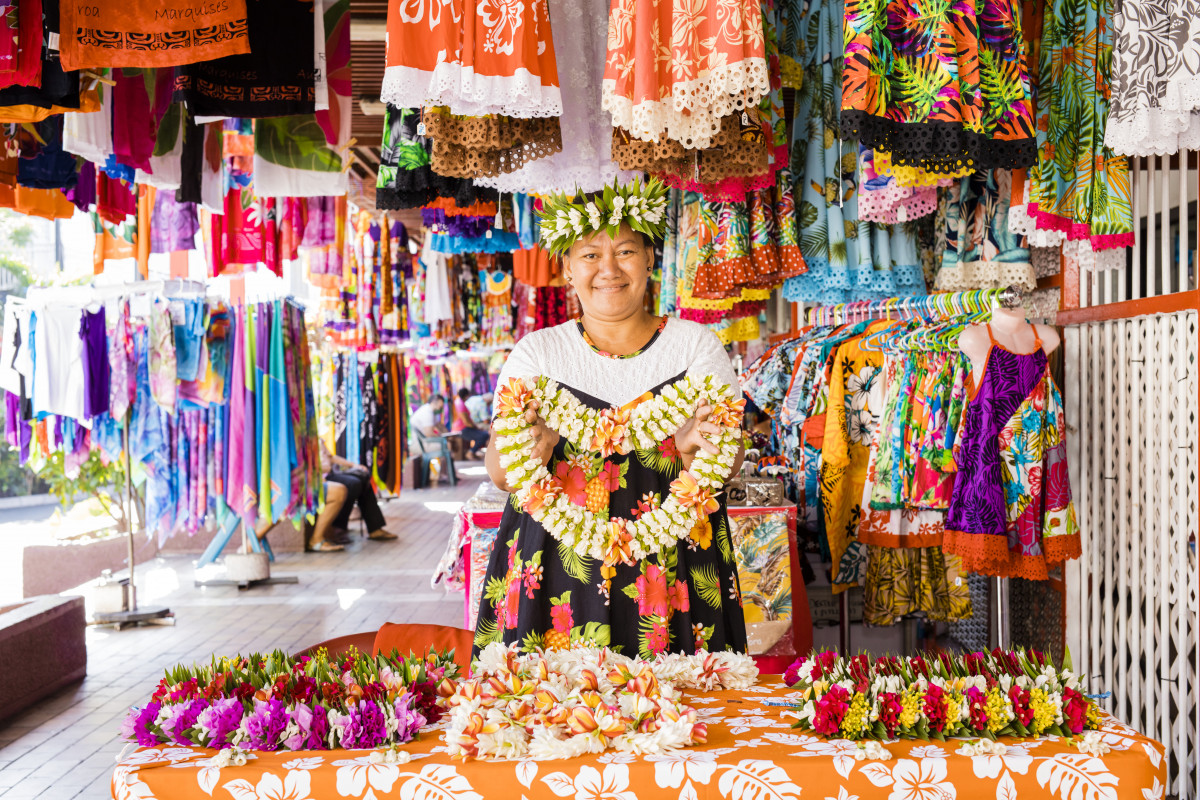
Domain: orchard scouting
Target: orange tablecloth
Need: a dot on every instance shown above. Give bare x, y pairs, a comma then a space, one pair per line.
752, 753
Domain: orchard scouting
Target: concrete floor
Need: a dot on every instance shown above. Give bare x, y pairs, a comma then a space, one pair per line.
66, 746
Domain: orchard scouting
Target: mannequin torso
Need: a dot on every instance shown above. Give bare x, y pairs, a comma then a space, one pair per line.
1008, 330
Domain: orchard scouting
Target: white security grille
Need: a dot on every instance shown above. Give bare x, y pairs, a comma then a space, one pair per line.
1132, 598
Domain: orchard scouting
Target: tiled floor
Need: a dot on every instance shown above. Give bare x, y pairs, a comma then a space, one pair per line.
66, 746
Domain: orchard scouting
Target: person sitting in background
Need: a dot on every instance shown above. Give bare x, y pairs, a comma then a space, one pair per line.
355, 480
335, 500
463, 424
428, 418
480, 407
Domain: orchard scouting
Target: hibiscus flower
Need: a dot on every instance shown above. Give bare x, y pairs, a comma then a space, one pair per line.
573, 482
702, 534
610, 474
560, 615
652, 592
668, 450
658, 638
679, 596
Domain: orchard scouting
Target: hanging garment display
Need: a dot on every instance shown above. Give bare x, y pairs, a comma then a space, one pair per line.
150, 33
475, 59
885, 447
939, 88
677, 69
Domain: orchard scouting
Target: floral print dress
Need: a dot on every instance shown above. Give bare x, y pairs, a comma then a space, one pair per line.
539, 593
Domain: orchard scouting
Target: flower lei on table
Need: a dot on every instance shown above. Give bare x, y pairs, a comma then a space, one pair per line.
1017, 693
567, 219
592, 436
283, 702
556, 704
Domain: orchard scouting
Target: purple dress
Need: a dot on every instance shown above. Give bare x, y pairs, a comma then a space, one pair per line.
1011, 514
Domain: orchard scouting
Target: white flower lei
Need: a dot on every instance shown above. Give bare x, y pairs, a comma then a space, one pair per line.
615, 539
542, 705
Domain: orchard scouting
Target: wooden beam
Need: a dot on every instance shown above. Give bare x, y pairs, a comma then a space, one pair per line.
1161, 304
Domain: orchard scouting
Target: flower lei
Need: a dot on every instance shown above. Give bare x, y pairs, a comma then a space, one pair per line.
565, 220
595, 533
564, 703
282, 702
1017, 693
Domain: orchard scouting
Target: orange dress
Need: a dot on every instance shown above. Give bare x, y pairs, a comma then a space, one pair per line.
476, 57
677, 67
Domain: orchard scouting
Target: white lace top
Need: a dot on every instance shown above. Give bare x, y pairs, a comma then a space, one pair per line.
560, 353
1155, 77
585, 161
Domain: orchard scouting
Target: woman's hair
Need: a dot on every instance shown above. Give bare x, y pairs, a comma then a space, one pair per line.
464, 393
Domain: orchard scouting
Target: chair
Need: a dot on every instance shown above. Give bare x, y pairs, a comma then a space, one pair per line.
406, 638
435, 447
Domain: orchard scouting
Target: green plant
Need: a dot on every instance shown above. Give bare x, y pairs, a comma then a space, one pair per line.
94, 479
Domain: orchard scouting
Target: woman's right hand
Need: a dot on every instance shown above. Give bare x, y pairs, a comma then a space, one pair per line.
545, 439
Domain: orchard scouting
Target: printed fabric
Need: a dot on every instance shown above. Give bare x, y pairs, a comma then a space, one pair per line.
675, 69
539, 593
1155, 104
476, 58
151, 33
1011, 513
848, 258
162, 355
938, 85
585, 161
981, 252
275, 78
1078, 186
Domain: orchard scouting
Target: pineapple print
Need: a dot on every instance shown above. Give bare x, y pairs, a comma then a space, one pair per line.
597, 494
559, 638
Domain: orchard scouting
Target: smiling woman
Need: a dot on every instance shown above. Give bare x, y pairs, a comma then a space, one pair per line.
540, 592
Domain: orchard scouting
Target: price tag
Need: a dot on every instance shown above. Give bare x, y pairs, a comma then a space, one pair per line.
420, 129
52, 40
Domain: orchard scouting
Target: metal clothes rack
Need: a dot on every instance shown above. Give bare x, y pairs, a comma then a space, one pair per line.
944, 304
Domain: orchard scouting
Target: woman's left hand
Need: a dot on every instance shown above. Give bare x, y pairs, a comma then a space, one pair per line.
695, 434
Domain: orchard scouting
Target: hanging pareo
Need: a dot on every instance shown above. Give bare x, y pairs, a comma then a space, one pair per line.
592, 436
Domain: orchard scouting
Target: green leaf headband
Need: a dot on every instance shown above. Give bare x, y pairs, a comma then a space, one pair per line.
642, 206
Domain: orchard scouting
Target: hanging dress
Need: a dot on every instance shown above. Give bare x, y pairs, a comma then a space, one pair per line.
1011, 513
476, 58
939, 86
677, 68
540, 594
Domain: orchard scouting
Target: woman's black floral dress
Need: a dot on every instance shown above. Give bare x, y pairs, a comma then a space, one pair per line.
541, 594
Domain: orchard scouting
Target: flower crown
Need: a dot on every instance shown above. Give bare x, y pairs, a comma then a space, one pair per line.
565, 220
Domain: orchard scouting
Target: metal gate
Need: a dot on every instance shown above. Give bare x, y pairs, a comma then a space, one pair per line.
1132, 599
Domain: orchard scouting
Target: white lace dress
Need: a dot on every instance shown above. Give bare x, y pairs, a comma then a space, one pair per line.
585, 161
1155, 104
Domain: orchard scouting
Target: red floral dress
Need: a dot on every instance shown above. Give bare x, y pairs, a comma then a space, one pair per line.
541, 594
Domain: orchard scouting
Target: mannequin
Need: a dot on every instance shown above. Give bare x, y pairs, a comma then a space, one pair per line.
1011, 331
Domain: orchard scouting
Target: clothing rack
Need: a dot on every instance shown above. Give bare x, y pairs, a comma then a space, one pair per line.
943, 304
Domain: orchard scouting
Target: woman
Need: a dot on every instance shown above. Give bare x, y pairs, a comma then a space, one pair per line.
540, 593
462, 423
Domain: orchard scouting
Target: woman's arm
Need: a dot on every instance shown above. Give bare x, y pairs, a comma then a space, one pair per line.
491, 462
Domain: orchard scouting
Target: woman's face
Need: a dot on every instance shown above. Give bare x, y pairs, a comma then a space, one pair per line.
610, 274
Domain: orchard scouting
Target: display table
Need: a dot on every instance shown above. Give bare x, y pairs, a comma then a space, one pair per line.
752, 753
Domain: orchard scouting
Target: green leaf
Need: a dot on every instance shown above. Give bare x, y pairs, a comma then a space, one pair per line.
630, 591
724, 542
168, 130
533, 641
596, 634
295, 142
574, 564
707, 584
486, 633
495, 590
